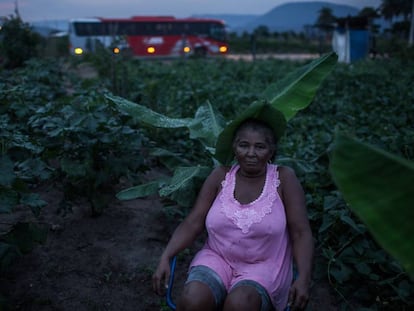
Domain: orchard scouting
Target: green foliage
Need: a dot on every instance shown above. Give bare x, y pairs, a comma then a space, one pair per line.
296, 91
94, 144
378, 187
181, 188
17, 42
19, 168
370, 100
77, 141
58, 128
283, 43
292, 94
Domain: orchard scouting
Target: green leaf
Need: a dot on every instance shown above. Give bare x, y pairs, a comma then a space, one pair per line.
148, 116
341, 272
185, 184
301, 167
75, 168
297, 89
7, 175
9, 198
34, 201
206, 125
182, 177
378, 186
140, 191
34, 167
170, 159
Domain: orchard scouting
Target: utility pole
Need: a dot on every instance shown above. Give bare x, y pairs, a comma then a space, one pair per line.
16, 8
411, 38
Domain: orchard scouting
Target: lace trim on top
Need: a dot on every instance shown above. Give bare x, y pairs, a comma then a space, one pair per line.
244, 215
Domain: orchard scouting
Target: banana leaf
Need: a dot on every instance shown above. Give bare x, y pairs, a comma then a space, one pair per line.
297, 89
378, 186
184, 185
182, 178
148, 116
206, 125
139, 191
169, 159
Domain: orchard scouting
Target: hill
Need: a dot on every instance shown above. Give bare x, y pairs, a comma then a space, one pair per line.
286, 17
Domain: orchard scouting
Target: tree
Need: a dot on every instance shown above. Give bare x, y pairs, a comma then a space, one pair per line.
396, 8
326, 23
326, 19
371, 14
18, 42
262, 31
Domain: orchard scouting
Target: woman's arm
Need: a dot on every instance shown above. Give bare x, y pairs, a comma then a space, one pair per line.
300, 234
185, 234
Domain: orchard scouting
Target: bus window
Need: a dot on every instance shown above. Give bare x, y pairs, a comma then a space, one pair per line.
89, 29
217, 32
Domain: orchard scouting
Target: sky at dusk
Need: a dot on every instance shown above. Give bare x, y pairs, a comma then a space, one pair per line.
35, 10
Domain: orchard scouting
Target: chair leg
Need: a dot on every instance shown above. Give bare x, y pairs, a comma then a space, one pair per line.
170, 301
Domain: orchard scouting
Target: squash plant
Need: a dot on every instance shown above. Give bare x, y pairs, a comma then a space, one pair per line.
79, 141
92, 143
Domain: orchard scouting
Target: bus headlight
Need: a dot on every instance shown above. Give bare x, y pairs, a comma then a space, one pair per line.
78, 51
223, 49
150, 50
186, 49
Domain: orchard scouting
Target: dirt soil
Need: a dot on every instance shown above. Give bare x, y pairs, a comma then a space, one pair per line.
100, 263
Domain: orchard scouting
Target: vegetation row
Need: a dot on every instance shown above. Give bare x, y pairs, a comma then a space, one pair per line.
59, 129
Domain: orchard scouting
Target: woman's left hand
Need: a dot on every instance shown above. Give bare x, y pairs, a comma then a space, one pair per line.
299, 294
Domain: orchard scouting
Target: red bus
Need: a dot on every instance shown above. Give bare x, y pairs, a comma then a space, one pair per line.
149, 36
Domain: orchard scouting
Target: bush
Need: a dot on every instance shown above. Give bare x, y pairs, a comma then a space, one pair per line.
18, 43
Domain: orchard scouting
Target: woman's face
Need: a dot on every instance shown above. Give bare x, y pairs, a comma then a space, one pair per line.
252, 151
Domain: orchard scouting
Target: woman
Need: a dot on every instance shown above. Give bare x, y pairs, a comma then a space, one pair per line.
256, 220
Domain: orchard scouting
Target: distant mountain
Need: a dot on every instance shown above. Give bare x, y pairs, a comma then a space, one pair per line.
286, 17
234, 21
294, 16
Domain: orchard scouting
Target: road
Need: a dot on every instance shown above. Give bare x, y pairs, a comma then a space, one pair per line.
287, 56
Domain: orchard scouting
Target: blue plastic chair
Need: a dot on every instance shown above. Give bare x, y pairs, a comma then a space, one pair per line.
169, 298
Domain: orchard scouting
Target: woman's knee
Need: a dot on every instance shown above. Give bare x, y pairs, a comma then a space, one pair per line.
243, 298
196, 296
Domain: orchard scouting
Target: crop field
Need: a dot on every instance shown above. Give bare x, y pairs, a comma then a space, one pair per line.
69, 241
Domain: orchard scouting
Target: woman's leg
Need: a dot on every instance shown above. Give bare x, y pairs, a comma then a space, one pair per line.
248, 295
243, 298
203, 290
196, 296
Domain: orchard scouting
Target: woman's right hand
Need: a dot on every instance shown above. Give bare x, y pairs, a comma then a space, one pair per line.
161, 276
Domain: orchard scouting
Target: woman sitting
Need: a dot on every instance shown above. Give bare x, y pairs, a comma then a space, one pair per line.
255, 216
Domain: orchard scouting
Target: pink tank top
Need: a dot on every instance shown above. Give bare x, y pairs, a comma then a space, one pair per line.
249, 241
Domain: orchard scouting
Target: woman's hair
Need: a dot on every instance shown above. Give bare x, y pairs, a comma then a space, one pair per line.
261, 127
